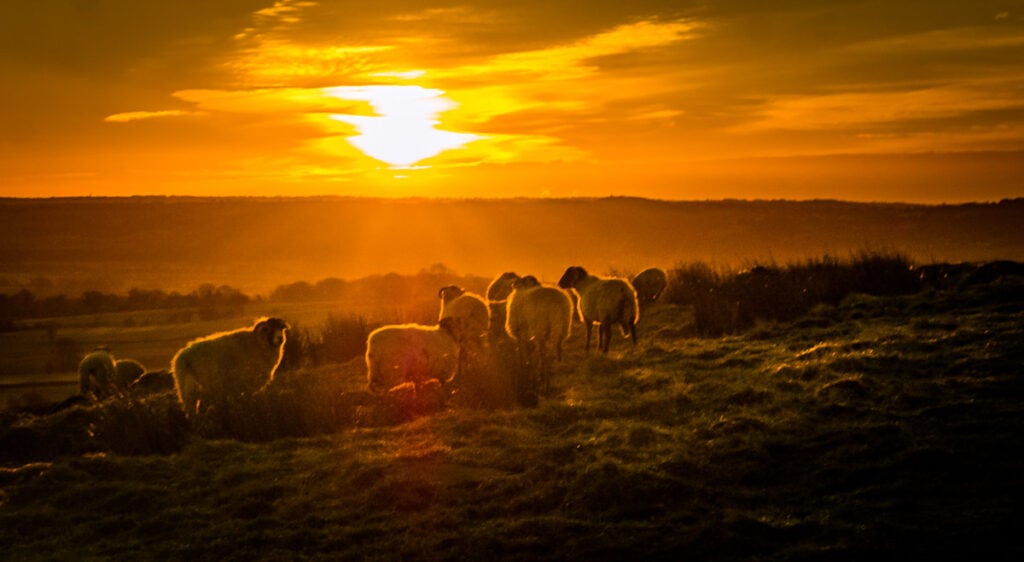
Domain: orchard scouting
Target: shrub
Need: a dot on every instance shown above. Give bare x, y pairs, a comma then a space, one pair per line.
728, 302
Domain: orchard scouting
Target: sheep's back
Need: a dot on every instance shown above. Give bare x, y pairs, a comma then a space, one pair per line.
397, 354
542, 311
228, 360
609, 300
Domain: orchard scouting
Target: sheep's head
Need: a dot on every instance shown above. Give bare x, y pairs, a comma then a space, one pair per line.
525, 282
501, 287
271, 331
97, 372
572, 276
450, 292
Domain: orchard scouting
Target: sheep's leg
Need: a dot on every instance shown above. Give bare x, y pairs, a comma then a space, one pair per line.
544, 364
189, 392
632, 332
605, 336
590, 326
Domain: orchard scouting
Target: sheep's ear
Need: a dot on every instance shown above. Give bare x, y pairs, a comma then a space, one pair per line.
441, 292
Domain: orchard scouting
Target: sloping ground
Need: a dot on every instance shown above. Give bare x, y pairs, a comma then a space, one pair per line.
885, 426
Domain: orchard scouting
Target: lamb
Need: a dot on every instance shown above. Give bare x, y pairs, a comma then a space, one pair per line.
649, 284
470, 313
410, 353
101, 375
228, 365
539, 319
606, 301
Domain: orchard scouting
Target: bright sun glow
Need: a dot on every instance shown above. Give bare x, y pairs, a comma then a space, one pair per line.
404, 130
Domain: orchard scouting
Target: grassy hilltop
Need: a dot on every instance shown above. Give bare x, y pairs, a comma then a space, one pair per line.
878, 426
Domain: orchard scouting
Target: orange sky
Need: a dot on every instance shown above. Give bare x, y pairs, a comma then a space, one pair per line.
863, 100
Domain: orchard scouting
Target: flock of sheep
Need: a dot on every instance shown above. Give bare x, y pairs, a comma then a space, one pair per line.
536, 318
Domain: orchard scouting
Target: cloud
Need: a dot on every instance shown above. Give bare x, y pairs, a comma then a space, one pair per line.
577, 60
272, 101
142, 115
944, 40
843, 111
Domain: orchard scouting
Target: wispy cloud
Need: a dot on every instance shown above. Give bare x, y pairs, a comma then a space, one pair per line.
142, 115
945, 40
843, 111
578, 59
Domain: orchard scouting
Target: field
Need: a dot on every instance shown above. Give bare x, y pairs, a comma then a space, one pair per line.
881, 426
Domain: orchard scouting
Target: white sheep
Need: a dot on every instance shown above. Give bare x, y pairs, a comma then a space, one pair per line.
228, 365
410, 353
470, 313
607, 301
539, 319
649, 284
101, 375
97, 374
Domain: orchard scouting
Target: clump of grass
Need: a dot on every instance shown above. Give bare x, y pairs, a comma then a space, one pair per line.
124, 425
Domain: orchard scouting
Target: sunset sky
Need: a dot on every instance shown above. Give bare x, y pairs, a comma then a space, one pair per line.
919, 101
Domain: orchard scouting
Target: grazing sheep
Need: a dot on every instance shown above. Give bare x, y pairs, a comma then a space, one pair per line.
606, 301
649, 284
539, 320
97, 374
101, 375
228, 365
126, 371
471, 314
152, 382
501, 287
405, 353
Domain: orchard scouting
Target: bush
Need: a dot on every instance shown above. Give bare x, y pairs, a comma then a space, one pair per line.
729, 302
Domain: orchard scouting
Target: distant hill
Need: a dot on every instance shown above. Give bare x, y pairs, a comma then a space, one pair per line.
256, 244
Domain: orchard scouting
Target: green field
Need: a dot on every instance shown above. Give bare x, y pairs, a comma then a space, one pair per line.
884, 426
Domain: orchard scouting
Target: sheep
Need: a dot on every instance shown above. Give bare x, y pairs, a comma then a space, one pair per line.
101, 375
410, 353
126, 371
649, 284
471, 314
539, 319
152, 382
497, 298
97, 374
228, 365
606, 301
501, 287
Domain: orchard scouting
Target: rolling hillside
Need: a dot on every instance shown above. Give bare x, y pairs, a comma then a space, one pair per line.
113, 245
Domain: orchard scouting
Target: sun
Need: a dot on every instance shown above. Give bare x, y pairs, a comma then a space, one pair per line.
404, 130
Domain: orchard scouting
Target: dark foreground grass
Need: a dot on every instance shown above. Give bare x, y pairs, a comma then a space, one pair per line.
884, 426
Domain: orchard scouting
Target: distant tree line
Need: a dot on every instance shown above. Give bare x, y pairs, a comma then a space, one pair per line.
24, 304
212, 301
388, 288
